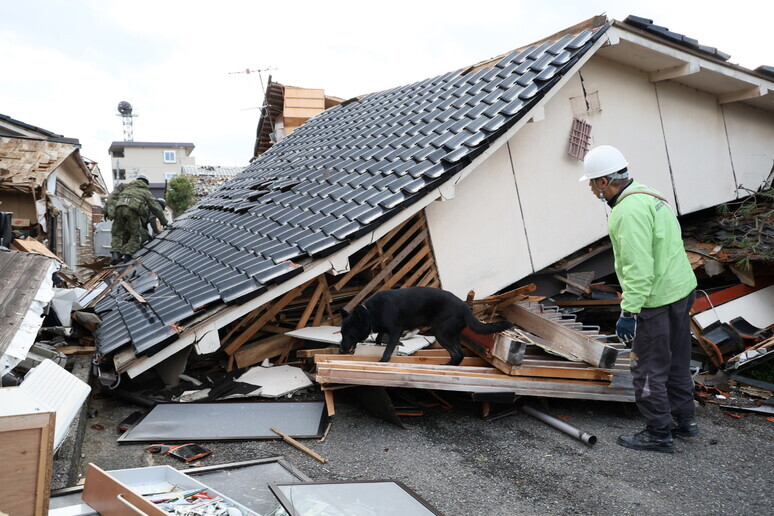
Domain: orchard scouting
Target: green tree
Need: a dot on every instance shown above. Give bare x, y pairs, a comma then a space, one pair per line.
180, 194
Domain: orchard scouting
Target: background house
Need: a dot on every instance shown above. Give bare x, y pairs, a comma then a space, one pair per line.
284, 109
52, 192
158, 161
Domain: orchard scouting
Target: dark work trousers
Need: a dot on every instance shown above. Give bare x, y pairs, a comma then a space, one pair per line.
661, 359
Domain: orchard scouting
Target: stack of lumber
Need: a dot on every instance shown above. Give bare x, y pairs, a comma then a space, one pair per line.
548, 354
540, 374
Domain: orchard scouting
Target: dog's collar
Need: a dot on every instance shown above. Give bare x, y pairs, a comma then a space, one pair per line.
370, 319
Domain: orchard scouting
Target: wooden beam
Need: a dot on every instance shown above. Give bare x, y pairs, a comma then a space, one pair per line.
424, 251
257, 352
268, 316
412, 280
310, 306
682, 70
744, 94
563, 340
387, 269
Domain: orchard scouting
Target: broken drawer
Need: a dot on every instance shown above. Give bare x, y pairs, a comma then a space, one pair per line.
120, 492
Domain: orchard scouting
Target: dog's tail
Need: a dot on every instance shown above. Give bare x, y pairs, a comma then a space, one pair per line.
480, 327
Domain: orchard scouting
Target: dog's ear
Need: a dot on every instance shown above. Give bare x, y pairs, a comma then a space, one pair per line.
344, 313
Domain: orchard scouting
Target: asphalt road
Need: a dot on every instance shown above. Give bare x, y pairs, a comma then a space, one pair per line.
517, 465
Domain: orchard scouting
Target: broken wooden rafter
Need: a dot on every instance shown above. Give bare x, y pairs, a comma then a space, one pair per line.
374, 283
561, 339
133, 293
266, 317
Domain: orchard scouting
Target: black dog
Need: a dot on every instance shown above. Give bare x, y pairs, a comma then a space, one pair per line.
389, 312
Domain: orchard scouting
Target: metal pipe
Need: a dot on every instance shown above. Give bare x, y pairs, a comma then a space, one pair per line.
561, 425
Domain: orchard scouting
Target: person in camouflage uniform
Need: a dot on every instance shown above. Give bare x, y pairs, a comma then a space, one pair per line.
133, 209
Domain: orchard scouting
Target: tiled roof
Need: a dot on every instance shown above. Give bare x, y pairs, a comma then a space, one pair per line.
210, 170
337, 177
679, 39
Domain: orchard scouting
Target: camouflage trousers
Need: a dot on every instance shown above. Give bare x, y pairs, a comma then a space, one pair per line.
128, 232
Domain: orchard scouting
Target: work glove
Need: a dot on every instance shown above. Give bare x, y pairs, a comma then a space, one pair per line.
626, 327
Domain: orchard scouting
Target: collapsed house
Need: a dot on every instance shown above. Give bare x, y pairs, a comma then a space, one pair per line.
51, 193
444, 182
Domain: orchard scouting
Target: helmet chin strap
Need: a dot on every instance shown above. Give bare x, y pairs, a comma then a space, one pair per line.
601, 193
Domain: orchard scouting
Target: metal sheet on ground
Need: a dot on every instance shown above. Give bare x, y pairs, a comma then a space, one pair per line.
228, 421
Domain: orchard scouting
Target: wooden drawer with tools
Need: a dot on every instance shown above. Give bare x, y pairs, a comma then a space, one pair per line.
128, 492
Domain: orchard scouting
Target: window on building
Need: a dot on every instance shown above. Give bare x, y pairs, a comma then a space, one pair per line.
120, 174
170, 156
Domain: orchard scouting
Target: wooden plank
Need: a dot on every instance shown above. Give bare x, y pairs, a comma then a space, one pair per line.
431, 360
387, 269
562, 339
412, 280
21, 276
579, 389
246, 320
544, 390
29, 245
133, 293
257, 352
269, 315
310, 306
298, 445
424, 251
27, 448
107, 289
77, 350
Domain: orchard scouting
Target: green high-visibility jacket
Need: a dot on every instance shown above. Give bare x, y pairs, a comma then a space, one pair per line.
650, 259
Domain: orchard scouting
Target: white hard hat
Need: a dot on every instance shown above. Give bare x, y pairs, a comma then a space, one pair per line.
603, 161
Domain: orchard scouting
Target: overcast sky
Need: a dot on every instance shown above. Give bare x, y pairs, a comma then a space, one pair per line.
65, 65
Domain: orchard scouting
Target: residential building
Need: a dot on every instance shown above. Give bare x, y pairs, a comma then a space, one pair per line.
52, 192
158, 161
285, 108
474, 171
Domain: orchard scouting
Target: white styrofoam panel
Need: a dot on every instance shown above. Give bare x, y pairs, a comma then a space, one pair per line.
478, 236
751, 139
757, 308
58, 391
697, 146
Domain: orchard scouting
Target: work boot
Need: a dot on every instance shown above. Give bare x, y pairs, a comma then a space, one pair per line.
685, 427
127, 258
650, 439
115, 257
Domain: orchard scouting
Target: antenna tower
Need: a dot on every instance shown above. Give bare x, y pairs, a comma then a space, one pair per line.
125, 112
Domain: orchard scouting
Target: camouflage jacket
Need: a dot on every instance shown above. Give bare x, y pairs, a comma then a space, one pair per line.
138, 197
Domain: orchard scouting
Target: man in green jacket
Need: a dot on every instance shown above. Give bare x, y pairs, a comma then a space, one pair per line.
132, 212
657, 284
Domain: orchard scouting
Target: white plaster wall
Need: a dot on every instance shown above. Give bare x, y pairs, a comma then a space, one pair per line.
629, 120
478, 236
523, 208
697, 146
751, 142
